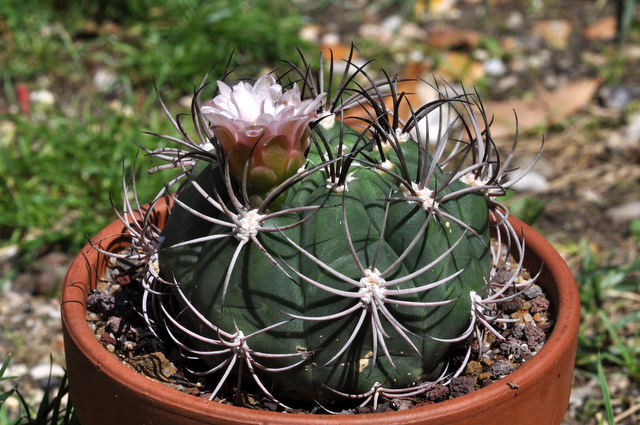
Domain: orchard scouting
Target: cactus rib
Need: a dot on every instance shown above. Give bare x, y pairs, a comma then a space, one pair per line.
352, 278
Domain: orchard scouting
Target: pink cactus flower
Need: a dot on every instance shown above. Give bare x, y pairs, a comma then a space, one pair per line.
263, 129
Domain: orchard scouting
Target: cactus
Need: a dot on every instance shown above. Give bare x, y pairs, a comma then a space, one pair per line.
327, 256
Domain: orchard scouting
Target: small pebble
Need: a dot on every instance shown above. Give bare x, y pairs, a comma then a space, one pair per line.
500, 369
101, 304
104, 80
511, 307
462, 385
618, 97
517, 331
503, 276
495, 67
535, 336
532, 292
539, 305
624, 213
532, 182
107, 339
438, 393
44, 370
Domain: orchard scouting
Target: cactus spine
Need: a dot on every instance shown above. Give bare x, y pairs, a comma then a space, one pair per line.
325, 261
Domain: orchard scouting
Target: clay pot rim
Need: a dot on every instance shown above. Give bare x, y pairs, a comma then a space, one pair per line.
74, 295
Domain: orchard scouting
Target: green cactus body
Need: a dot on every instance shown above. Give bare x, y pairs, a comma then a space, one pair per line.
382, 225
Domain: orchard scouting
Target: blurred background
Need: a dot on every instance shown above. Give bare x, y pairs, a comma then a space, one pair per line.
77, 90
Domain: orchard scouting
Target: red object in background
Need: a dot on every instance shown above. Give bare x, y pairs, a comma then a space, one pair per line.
23, 98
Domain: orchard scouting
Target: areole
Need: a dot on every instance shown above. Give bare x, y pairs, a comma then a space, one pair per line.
105, 391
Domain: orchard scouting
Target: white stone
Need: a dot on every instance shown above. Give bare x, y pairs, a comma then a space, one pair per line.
43, 97
625, 212
495, 67
103, 79
532, 182
44, 370
7, 133
392, 23
8, 252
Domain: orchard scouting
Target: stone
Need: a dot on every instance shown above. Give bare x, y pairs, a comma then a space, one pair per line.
511, 307
462, 385
474, 368
107, 339
101, 303
310, 33
104, 79
43, 97
539, 305
624, 213
500, 369
437, 393
627, 142
532, 292
503, 276
517, 331
534, 335
402, 404
495, 67
44, 370
532, 182
47, 375
618, 97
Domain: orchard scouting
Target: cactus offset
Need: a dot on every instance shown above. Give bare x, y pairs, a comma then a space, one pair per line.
324, 261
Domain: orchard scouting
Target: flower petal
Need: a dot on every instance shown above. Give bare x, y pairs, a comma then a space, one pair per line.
261, 127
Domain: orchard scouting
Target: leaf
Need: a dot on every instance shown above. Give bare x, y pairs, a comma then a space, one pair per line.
545, 109
606, 395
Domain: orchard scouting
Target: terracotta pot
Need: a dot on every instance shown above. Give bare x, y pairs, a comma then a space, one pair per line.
104, 391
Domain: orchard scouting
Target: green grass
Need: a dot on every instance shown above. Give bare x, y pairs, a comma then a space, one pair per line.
609, 340
59, 173
172, 42
61, 163
609, 333
52, 409
604, 388
526, 207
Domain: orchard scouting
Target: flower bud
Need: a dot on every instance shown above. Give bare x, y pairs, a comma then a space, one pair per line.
263, 131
